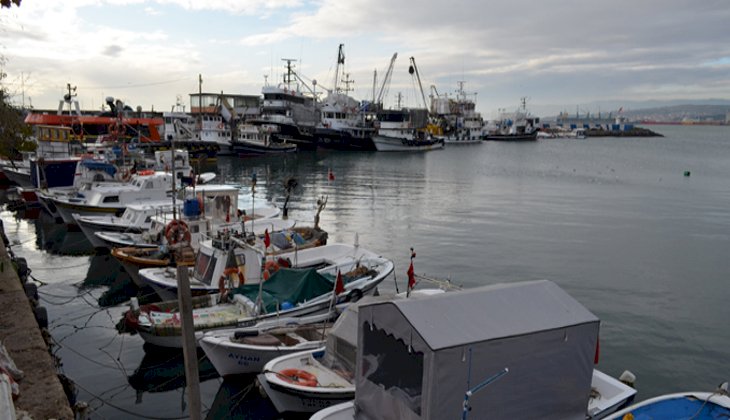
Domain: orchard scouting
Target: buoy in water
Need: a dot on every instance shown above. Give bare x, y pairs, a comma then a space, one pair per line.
686, 173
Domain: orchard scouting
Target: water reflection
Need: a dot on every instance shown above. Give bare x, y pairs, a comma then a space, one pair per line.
238, 397
163, 370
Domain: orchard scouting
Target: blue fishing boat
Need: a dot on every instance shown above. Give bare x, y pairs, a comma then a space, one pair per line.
683, 405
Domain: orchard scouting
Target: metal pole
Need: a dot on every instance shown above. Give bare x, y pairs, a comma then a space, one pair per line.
189, 346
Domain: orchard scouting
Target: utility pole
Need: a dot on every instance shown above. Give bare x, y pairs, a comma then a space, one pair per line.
190, 353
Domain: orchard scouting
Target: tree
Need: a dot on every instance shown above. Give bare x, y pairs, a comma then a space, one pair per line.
14, 133
8, 3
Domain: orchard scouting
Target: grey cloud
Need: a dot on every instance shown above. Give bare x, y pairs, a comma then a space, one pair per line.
113, 50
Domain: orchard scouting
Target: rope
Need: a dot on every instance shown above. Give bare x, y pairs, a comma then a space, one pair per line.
124, 410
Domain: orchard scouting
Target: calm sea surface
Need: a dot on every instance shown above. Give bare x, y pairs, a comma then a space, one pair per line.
613, 221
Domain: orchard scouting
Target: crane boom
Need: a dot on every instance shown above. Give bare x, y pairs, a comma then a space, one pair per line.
386, 80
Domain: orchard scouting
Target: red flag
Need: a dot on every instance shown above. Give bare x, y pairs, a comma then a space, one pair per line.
411, 277
339, 284
267, 239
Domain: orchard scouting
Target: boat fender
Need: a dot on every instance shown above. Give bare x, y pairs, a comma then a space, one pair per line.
298, 377
354, 295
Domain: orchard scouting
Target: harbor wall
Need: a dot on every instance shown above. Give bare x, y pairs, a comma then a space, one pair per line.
41, 394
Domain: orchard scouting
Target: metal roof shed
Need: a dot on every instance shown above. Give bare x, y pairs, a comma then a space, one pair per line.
417, 358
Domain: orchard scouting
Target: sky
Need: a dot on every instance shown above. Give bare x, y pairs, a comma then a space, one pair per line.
562, 55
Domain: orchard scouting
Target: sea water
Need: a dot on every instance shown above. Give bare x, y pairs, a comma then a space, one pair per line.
636, 229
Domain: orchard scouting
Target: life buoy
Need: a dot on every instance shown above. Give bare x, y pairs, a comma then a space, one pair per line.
177, 231
298, 377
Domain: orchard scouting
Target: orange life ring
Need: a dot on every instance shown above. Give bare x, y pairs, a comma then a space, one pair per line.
271, 266
177, 231
298, 377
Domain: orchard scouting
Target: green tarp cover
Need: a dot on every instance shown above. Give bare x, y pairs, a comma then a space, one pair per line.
288, 285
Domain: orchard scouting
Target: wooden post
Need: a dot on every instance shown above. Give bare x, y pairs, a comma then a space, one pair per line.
190, 352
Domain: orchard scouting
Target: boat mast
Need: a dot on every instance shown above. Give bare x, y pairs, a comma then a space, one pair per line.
413, 69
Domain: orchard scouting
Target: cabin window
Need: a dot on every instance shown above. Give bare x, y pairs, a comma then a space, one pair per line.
148, 219
111, 199
388, 362
194, 229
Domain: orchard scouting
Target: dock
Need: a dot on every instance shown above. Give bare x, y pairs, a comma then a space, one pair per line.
41, 394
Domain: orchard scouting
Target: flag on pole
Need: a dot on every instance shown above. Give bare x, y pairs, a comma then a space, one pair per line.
339, 284
411, 277
267, 239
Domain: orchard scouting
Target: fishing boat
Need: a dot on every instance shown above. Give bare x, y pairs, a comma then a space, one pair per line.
229, 249
345, 123
310, 380
247, 350
292, 108
137, 218
287, 293
682, 405
517, 126
457, 121
396, 132
143, 186
134, 258
257, 140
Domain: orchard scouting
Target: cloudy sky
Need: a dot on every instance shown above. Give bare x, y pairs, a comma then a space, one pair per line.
560, 54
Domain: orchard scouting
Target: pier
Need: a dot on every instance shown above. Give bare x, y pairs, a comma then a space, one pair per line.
41, 393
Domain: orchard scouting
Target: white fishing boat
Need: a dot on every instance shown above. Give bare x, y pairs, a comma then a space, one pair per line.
136, 218
247, 350
517, 126
308, 381
113, 199
288, 292
396, 132
681, 405
144, 186
458, 122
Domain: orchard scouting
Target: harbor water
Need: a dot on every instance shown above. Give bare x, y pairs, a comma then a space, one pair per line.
636, 229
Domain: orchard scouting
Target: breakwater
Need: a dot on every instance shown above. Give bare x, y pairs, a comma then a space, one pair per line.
633, 132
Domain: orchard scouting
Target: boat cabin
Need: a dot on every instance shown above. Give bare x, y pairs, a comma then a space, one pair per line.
417, 358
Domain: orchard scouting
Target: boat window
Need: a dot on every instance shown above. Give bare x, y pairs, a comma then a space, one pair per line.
150, 185
388, 362
204, 267
111, 199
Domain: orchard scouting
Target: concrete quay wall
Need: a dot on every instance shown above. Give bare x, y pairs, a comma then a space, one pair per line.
41, 392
